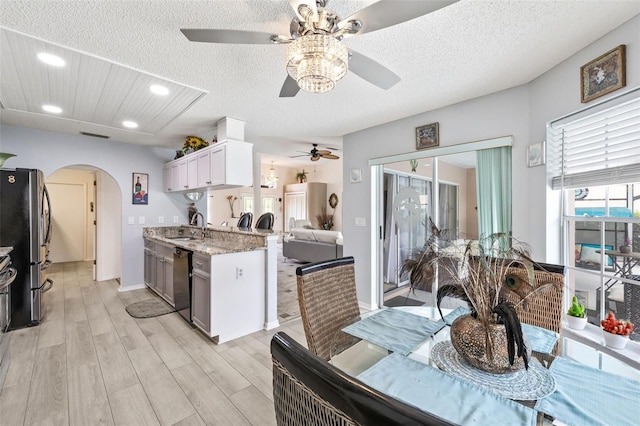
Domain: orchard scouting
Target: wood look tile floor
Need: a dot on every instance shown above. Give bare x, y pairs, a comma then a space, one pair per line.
90, 363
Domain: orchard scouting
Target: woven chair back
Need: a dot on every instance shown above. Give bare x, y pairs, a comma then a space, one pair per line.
327, 298
307, 390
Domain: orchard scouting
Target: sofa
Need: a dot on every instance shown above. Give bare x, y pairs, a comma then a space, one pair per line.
312, 245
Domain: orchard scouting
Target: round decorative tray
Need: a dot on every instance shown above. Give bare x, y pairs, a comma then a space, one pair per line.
524, 385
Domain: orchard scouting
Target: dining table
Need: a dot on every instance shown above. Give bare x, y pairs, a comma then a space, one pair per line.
406, 352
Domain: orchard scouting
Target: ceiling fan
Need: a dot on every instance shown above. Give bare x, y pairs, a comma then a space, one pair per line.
316, 57
317, 154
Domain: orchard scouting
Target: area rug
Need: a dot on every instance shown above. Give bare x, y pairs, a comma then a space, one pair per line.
149, 308
402, 301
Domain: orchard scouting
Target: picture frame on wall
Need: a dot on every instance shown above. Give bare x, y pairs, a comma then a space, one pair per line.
603, 75
535, 155
427, 136
140, 188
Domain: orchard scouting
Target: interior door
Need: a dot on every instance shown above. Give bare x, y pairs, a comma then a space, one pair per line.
69, 201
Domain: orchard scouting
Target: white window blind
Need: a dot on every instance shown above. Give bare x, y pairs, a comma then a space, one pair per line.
596, 147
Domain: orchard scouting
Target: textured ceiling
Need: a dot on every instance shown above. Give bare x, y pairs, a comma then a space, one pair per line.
466, 50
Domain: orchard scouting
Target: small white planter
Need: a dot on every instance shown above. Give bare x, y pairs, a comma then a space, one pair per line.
615, 341
576, 323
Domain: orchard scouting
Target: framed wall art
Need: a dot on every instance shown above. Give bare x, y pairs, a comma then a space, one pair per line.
427, 136
140, 188
603, 75
535, 154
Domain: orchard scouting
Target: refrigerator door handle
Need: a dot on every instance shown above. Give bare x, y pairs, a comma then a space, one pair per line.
47, 238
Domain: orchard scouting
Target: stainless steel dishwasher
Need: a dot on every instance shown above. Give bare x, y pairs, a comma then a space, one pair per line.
182, 282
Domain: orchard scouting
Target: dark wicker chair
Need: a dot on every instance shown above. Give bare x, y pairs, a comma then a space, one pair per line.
265, 221
307, 390
245, 220
327, 298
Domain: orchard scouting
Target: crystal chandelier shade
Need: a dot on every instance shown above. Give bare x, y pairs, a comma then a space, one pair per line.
316, 62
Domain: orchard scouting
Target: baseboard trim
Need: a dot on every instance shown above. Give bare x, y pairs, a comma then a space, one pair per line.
132, 287
271, 325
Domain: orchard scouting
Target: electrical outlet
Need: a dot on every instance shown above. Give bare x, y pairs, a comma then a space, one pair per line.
160, 219
176, 219
239, 273
360, 221
141, 220
131, 220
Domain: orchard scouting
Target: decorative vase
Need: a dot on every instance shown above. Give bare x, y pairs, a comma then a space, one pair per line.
625, 249
469, 338
576, 323
4, 156
615, 341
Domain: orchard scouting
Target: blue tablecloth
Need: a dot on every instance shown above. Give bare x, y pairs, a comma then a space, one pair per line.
588, 396
395, 330
444, 395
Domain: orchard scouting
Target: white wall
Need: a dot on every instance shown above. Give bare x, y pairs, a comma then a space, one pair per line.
50, 151
521, 112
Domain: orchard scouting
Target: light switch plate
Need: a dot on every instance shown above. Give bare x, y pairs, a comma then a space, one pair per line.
176, 219
141, 220
160, 219
131, 220
360, 221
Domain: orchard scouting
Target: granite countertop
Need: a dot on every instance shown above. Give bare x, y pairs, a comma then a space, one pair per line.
5, 251
206, 246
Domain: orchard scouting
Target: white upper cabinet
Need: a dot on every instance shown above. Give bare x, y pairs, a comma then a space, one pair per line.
226, 164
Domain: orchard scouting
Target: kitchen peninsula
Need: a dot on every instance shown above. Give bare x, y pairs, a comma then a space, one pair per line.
234, 289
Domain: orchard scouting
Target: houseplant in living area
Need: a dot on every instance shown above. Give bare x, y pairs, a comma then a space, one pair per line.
490, 338
616, 332
576, 317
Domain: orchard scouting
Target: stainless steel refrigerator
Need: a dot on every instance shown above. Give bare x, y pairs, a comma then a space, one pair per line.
25, 225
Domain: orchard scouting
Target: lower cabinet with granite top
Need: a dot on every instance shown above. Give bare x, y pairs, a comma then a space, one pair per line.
228, 294
158, 269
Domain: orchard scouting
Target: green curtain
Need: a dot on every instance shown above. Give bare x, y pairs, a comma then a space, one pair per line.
493, 184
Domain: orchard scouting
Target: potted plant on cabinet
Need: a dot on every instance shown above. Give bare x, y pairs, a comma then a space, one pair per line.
301, 177
576, 317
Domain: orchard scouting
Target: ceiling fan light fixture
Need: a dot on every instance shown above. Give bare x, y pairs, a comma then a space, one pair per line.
316, 62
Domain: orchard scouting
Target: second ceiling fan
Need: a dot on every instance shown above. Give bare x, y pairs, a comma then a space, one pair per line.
317, 154
316, 58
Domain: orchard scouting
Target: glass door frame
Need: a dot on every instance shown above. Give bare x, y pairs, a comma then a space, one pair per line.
377, 205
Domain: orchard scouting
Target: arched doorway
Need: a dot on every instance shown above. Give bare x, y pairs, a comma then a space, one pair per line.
86, 205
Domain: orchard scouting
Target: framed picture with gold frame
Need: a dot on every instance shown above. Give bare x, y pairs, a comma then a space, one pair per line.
603, 75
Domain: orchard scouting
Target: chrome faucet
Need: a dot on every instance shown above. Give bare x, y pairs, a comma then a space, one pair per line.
194, 221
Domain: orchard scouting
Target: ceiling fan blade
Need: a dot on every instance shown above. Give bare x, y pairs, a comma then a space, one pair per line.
227, 36
290, 88
296, 156
311, 4
372, 71
316, 158
323, 152
385, 13
330, 157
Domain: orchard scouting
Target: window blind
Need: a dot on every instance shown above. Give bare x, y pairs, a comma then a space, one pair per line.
596, 148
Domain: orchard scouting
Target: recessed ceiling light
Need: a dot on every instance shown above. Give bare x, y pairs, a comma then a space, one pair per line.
159, 90
130, 124
52, 109
50, 59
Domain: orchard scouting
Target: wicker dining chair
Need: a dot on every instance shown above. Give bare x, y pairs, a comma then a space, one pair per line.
544, 307
307, 390
327, 299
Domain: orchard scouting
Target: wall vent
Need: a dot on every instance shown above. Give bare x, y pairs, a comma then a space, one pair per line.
95, 135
